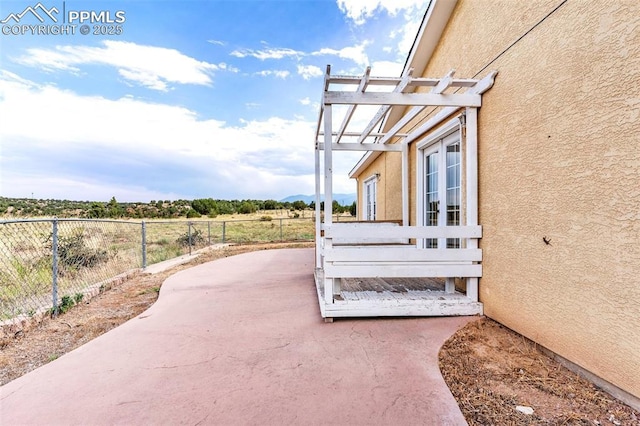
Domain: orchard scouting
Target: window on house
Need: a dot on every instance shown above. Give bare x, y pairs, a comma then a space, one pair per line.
370, 194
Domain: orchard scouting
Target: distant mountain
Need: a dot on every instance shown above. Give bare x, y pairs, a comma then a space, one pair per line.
342, 199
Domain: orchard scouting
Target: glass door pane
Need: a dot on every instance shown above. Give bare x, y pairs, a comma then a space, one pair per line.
453, 190
431, 196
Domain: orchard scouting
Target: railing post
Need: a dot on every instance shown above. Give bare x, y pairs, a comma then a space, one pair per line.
209, 232
144, 245
54, 266
224, 232
189, 238
281, 235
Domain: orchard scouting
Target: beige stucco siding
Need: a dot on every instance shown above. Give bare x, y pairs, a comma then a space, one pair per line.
559, 158
389, 199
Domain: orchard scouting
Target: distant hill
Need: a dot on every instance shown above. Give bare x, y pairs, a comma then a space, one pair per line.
342, 199
30, 207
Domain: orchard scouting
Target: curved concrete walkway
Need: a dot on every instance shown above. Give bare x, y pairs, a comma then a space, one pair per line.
240, 341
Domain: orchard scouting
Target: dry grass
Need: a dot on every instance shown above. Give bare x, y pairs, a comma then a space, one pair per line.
491, 370
26, 251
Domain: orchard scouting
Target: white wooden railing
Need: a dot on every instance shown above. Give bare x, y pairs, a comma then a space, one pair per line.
369, 250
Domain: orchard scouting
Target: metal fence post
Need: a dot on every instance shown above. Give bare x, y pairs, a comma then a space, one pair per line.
224, 231
189, 224
144, 245
281, 237
54, 267
209, 231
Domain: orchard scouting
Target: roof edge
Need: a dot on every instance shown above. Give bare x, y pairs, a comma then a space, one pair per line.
433, 24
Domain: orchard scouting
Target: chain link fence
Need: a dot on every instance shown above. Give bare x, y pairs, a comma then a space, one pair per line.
48, 265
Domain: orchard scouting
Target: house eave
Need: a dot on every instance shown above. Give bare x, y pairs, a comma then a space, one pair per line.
433, 25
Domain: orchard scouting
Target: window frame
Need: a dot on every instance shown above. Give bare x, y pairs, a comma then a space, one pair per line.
370, 182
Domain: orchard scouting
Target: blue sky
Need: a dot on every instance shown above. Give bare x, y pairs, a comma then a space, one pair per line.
193, 99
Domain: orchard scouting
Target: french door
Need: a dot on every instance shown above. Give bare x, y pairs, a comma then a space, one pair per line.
441, 190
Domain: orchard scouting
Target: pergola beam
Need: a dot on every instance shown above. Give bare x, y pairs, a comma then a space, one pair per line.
361, 147
362, 86
371, 135
393, 132
460, 100
440, 87
327, 77
384, 108
444, 83
393, 81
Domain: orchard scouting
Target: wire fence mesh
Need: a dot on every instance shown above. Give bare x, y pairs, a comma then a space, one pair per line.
48, 265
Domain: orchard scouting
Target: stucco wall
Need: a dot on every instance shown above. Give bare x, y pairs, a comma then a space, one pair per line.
559, 157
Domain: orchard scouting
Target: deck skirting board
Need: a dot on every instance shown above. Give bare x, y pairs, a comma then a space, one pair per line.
412, 303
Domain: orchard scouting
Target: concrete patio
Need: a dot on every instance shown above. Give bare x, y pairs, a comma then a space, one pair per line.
241, 341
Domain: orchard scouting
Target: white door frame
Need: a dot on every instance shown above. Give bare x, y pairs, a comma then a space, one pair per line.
448, 134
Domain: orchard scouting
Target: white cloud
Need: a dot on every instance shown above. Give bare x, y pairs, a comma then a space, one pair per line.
355, 53
133, 149
226, 67
276, 73
387, 68
359, 11
152, 67
408, 33
217, 42
313, 106
26, 184
309, 71
267, 53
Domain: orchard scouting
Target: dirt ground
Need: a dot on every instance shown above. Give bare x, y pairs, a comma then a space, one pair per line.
489, 368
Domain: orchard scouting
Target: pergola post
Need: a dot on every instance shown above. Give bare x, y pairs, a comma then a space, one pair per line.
472, 188
318, 218
328, 194
405, 184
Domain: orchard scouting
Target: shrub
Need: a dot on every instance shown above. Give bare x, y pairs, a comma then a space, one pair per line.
352, 209
65, 304
196, 238
246, 207
74, 253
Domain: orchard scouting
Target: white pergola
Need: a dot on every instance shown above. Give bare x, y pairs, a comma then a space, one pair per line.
394, 97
